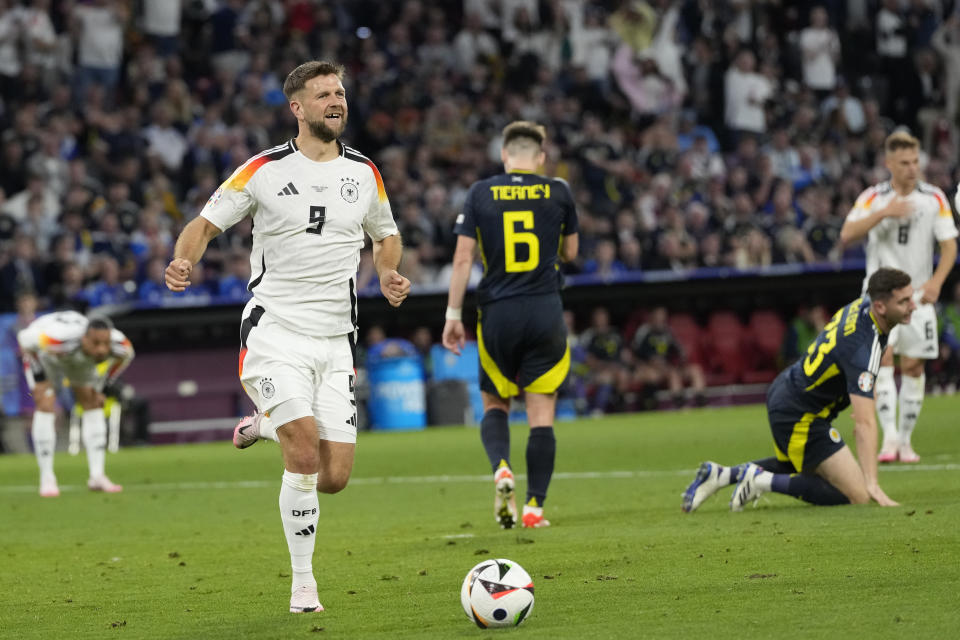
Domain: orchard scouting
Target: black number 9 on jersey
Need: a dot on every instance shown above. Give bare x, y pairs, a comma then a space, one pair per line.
318, 215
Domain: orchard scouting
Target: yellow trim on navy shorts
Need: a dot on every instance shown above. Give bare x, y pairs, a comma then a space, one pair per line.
505, 388
550, 381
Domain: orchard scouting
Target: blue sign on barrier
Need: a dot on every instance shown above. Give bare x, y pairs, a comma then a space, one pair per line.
397, 393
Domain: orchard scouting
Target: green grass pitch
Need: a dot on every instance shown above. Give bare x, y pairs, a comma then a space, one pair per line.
193, 547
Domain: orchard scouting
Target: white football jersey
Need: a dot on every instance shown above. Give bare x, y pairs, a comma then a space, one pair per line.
308, 224
905, 243
54, 339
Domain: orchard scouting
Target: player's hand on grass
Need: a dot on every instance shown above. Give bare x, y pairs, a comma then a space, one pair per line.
177, 274
881, 498
454, 336
394, 287
899, 207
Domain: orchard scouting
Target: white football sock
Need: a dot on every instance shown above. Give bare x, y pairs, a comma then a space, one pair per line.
911, 401
299, 511
764, 481
885, 393
93, 433
44, 435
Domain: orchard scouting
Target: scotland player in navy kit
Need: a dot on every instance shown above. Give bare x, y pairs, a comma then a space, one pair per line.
840, 368
523, 223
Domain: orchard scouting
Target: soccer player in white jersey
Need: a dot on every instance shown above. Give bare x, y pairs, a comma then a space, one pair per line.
311, 200
89, 354
902, 219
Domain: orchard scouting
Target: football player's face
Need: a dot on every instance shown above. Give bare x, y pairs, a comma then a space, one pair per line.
96, 344
900, 306
323, 106
904, 165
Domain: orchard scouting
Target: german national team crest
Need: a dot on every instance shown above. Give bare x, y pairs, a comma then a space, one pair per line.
350, 190
267, 389
834, 434
865, 381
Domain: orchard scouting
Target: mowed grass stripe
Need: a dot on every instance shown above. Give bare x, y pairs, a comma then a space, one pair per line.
582, 475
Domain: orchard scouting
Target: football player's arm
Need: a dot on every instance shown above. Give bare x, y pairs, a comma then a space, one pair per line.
386, 259
948, 257
865, 432
187, 252
454, 336
569, 247
857, 225
122, 352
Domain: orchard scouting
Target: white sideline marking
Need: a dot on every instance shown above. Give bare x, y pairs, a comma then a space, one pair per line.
563, 475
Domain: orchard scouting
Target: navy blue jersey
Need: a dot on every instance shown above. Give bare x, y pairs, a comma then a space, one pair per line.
843, 360
518, 219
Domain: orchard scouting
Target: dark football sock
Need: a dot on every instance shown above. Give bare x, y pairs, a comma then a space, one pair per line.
809, 488
541, 450
775, 465
495, 435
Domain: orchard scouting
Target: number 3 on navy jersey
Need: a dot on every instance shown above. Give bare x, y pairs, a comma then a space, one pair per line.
318, 215
512, 238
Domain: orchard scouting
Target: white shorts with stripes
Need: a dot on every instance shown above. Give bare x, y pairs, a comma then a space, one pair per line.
278, 365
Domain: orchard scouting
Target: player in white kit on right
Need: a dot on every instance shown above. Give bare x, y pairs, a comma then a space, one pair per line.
902, 219
311, 200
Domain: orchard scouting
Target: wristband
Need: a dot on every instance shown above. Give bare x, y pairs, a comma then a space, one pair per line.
454, 314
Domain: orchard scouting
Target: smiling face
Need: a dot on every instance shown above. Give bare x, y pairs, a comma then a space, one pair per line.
322, 107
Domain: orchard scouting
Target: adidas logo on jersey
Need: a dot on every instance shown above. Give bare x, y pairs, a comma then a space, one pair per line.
288, 190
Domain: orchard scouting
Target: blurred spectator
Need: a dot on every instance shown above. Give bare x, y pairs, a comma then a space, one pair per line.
820, 48
18, 204
23, 272
656, 359
233, 285
746, 95
10, 63
108, 288
801, 333
946, 41
473, 45
165, 142
153, 288
161, 23
605, 265
822, 230
946, 369
578, 379
99, 26
603, 344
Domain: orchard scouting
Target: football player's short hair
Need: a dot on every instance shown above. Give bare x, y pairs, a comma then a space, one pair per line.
99, 322
297, 79
900, 139
524, 130
884, 281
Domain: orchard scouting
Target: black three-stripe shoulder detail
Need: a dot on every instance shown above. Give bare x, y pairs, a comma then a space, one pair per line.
263, 271
353, 154
280, 151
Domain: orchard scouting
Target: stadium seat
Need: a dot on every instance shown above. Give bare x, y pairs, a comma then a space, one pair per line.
766, 330
724, 343
688, 334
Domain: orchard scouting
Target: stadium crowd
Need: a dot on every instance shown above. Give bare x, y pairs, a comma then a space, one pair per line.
726, 133
694, 133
